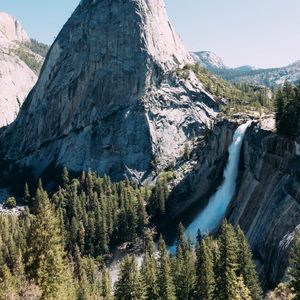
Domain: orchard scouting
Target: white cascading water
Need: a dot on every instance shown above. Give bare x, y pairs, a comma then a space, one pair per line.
209, 218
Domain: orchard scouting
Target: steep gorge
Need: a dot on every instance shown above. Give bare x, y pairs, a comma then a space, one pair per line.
267, 202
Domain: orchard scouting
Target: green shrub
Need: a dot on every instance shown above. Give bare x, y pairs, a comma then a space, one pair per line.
28, 59
11, 202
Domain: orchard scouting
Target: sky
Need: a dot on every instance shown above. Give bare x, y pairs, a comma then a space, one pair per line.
261, 33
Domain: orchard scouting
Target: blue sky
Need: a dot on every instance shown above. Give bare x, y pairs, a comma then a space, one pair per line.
263, 33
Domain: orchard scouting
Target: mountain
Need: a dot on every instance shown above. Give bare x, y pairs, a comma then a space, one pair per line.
19, 66
108, 96
119, 94
245, 68
268, 77
249, 74
11, 29
209, 60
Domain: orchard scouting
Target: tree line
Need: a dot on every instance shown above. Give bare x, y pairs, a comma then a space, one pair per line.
216, 269
238, 96
59, 248
288, 110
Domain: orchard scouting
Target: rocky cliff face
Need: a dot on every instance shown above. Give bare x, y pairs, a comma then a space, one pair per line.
108, 97
16, 77
205, 174
210, 60
267, 203
11, 29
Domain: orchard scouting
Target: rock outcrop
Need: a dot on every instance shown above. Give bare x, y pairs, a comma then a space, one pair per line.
108, 97
198, 179
11, 29
16, 77
267, 203
211, 158
209, 60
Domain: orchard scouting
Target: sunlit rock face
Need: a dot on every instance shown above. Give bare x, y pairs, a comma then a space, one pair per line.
108, 97
11, 29
16, 78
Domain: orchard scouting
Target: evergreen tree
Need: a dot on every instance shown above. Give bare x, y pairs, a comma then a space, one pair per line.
184, 268
205, 274
246, 267
106, 291
149, 270
243, 292
8, 285
19, 273
142, 216
130, 285
46, 263
287, 110
26, 195
83, 289
279, 107
65, 177
227, 282
166, 283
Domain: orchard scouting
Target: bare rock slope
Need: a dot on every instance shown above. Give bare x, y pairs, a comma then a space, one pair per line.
11, 29
16, 77
108, 97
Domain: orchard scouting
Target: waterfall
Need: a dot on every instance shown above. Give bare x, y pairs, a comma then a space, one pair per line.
212, 215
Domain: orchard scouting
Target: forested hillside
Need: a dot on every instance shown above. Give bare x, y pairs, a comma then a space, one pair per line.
288, 110
59, 247
238, 97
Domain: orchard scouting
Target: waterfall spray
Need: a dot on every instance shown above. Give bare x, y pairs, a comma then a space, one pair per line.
211, 216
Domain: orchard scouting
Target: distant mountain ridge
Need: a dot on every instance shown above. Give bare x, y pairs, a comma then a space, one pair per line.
270, 77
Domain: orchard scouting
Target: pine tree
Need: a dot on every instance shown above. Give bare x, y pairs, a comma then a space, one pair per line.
166, 283
243, 292
106, 290
246, 267
19, 273
8, 285
282, 291
205, 274
83, 289
279, 108
184, 268
142, 216
65, 177
26, 194
149, 269
130, 285
46, 263
287, 110
227, 282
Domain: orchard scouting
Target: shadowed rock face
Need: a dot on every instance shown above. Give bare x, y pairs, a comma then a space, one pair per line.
107, 97
267, 203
